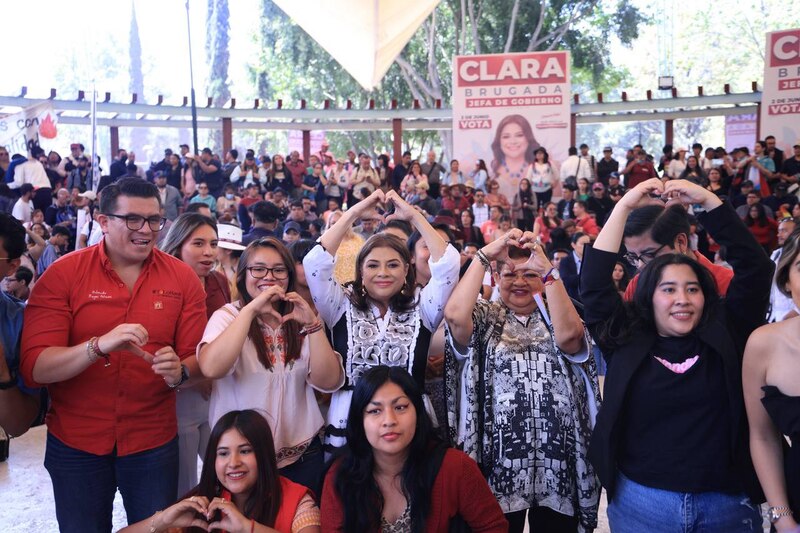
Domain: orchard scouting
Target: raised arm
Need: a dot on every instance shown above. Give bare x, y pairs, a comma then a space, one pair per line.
600, 298
39, 244
404, 211
748, 293
458, 311
610, 237
567, 325
217, 357
332, 238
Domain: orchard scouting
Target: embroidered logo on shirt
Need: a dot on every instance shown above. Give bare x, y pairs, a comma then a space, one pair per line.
678, 368
168, 293
99, 295
158, 305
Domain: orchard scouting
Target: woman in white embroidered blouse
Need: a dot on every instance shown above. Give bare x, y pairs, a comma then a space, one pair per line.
381, 317
268, 352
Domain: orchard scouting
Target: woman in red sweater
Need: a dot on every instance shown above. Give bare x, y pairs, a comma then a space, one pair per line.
395, 475
763, 228
240, 489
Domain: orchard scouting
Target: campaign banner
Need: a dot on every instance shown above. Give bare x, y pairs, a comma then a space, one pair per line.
36, 122
740, 130
505, 106
780, 100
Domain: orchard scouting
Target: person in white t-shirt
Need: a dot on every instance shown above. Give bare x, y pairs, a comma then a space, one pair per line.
23, 208
576, 166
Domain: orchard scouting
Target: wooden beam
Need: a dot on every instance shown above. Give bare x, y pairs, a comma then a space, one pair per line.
397, 140
114, 130
573, 128
758, 121
669, 131
306, 145
227, 135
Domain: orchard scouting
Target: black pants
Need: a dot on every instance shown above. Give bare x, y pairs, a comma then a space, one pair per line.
541, 520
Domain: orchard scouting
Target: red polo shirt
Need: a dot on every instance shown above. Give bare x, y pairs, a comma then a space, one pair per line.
639, 173
298, 172
125, 405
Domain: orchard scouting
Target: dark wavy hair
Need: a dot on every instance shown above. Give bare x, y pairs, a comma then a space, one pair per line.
291, 329
497, 152
761, 220
404, 300
354, 481
12, 236
638, 315
264, 501
788, 257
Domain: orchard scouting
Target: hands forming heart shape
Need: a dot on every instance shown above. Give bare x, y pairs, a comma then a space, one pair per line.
299, 311
672, 192
393, 206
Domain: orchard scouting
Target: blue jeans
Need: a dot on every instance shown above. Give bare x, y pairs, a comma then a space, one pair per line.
636, 508
599, 360
84, 484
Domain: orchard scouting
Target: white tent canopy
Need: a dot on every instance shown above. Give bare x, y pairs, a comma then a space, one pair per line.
364, 36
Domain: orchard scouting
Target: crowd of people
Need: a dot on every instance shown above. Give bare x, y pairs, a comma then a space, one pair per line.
354, 345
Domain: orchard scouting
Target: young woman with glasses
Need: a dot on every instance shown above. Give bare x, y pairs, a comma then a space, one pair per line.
268, 351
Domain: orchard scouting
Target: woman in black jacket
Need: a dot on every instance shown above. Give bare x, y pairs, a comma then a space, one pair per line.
671, 444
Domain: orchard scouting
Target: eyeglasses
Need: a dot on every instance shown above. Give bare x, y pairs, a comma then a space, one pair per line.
526, 275
260, 272
644, 257
136, 222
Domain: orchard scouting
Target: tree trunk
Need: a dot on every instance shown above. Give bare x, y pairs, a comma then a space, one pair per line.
217, 56
138, 135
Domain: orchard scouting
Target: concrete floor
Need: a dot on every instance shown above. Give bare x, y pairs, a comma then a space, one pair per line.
26, 495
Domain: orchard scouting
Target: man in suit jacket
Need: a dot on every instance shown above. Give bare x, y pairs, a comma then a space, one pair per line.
570, 266
170, 196
565, 205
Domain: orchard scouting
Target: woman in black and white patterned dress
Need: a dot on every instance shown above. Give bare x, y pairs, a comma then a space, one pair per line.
381, 318
521, 388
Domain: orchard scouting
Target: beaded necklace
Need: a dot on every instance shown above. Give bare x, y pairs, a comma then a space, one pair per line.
523, 169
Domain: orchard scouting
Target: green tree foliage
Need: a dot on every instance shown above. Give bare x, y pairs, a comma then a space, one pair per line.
292, 66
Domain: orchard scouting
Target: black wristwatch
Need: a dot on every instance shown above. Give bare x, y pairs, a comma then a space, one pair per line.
184, 377
11, 383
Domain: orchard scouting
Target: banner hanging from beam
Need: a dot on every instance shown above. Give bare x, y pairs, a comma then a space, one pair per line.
780, 103
505, 106
36, 122
363, 36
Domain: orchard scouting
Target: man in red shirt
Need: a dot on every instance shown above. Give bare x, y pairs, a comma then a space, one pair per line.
112, 331
586, 224
639, 169
455, 201
653, 230
297, 168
